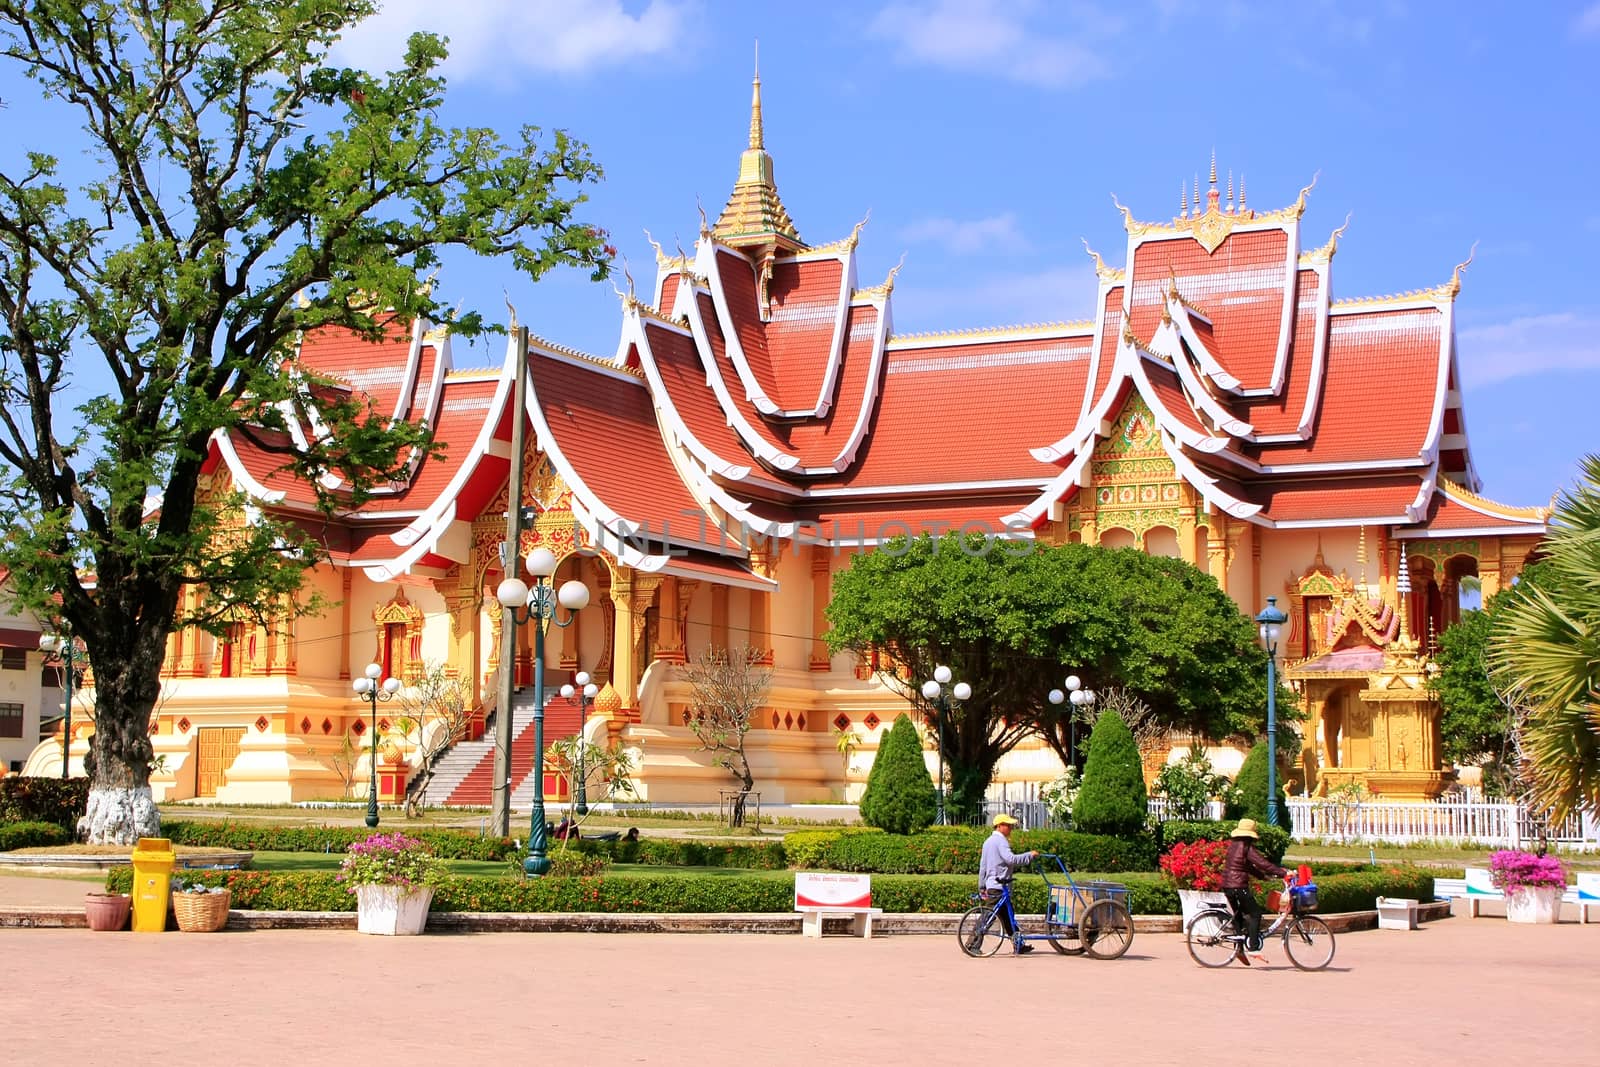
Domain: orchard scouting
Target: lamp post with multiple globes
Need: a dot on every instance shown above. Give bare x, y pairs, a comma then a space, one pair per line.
938, 691
368, 688
1079, 698
537, 604
585, 691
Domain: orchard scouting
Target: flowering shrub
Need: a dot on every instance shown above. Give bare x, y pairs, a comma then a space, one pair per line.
1197, 865
1513, 870
389, 859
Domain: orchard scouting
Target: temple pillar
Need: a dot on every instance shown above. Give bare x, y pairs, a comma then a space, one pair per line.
1188, 549
761, 562
346, 577
669, 647
1489, 568
719, 617
1217, 553
622, 644
821, 582
1256, 592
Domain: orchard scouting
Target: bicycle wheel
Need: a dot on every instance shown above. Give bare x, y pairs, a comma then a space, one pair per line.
1309, 943
980, 932
1106, 930
1066, 940
1209, 938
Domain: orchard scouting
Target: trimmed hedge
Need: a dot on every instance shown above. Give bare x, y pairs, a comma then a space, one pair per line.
288, 837
1149, 894
1274, 841
955, 850
32, 835
53, 800
676, 852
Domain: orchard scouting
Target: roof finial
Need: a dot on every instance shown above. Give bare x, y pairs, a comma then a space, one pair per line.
1402, 585
1213, 168
1455, 278
661, 257
755, 103
1299, 207
1183, 189
1197, 193
1127, 216
705, 227
1230, 192
1212, 196
1361, 558
1241, 192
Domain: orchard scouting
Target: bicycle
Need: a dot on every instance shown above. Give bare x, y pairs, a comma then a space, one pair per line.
1090, 918
1216, 938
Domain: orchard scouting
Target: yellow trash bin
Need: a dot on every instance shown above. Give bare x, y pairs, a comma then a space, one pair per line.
153, 861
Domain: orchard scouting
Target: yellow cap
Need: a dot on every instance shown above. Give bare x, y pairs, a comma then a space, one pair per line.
1006, 820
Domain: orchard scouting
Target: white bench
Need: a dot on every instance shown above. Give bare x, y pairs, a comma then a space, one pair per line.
819, 896
1480, 887
1588, 895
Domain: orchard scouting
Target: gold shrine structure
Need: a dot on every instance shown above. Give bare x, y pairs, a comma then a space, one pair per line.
761, 420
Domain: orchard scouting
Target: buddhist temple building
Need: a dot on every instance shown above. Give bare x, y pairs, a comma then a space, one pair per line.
761, 420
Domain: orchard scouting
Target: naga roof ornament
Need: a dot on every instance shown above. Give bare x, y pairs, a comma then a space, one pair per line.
1211, 225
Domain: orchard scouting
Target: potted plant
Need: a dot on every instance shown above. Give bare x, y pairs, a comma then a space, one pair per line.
1196, 870
107, 911
200, 908
392, 877
1533, 885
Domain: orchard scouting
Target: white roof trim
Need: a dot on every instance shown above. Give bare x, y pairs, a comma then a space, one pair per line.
1169, 337
242, 477
1209, 364
1319, 351
706, 256
389, 570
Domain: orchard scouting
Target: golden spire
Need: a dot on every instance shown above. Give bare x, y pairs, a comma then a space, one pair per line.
1230, 192
755, 103
1213, 166
1241, 192
1183, 189
1361, 558
753, 215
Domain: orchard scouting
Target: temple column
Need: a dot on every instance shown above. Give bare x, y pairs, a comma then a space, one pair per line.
719, 617
761, 608
1088, 528
821, 582
346, 578
1217, 549
622, 644
1489, 568
670, 646
1187, 547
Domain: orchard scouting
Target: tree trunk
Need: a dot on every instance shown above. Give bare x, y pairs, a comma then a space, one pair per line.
127, 668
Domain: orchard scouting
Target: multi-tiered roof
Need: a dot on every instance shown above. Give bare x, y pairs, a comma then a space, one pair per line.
761, 391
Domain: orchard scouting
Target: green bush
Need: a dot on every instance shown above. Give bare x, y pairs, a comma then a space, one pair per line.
1112, 799
1274, 841
1249, 795
955, 850
291, 837
62, 801
677, 852
32, 835
575, 863
948, 893
900, 796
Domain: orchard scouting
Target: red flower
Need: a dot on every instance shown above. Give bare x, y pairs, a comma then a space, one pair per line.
1197, 865
357, 97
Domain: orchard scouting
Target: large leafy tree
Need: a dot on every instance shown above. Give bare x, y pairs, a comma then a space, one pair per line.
1545, 648
1477, 721
1012, 619
229, 189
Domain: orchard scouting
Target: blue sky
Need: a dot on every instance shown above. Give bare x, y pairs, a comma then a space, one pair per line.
987, 138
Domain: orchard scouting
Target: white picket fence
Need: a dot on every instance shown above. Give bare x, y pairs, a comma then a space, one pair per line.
1443, 822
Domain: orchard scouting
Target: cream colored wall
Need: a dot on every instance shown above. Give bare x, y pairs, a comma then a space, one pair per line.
791, 611
318, 637
697, 635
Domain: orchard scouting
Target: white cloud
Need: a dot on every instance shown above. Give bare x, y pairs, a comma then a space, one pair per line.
1588, 23
998, 233
1531, 344
993, 37
498, 40
1050, 295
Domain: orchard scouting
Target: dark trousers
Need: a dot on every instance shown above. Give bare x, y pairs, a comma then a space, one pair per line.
1248, 911
1007, 922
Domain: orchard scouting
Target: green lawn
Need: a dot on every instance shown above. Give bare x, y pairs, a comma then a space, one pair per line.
326, 861
1443, 856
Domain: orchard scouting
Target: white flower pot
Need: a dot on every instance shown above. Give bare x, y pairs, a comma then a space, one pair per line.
1194, 901
1540, 904
392, 909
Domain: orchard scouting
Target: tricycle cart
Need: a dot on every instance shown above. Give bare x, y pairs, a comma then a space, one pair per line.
1079, 917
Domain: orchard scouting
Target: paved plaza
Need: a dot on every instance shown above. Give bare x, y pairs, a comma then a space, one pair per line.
1456, 991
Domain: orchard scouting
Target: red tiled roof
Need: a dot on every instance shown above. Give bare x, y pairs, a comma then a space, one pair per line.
853, 521
669, 295
684, 376
1382, 497
462, 411
1239, 287
604, 425
1281, 414
799, 332
963, 413
1445, 513
1110, 338
1381, 376
375, 368
818, 443
738, 279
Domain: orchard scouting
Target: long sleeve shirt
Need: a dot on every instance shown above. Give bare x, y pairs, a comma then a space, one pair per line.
1242, 861
998, 861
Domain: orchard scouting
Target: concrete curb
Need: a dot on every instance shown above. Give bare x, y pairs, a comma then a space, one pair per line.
470, 922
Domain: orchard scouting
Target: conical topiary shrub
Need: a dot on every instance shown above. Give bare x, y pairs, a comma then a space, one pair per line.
1250, 788
1112, 799
900, 797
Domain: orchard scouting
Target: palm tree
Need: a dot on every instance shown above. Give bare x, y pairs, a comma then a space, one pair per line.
1546, 651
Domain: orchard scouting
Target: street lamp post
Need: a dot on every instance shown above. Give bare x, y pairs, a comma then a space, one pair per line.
935, 691
1271, 620
1080, 698
62, 649
368, 688
537, 604
585, 691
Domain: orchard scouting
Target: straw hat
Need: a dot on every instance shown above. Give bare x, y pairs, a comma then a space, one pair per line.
1246, 828
1006, 820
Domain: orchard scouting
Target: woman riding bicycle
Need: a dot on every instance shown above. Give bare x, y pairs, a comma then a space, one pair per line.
1242, 861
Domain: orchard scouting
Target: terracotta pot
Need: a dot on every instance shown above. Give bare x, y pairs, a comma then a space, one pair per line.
107, 911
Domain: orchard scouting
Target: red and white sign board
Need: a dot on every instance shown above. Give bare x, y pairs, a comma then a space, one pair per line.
832, 890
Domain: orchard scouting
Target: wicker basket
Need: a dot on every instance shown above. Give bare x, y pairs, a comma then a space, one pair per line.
201, 913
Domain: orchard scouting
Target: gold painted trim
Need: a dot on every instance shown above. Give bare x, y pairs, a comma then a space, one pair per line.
1506, 511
